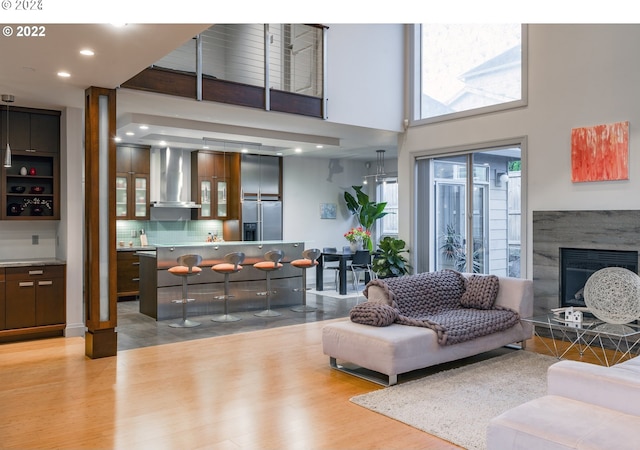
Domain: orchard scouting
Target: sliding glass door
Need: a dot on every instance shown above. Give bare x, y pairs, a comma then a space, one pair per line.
468, 213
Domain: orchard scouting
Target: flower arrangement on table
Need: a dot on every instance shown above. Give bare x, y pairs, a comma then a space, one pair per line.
357, 234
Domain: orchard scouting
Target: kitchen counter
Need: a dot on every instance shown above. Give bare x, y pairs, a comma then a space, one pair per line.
135, 248
158, 287
31, 262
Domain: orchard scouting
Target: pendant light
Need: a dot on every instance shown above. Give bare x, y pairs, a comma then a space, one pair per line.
380, 176
7, 98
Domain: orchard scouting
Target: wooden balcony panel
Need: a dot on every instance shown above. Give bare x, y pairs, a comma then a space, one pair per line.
293, 103
223, 91
164, 81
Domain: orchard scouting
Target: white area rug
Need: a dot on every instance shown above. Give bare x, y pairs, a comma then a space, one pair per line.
457, 404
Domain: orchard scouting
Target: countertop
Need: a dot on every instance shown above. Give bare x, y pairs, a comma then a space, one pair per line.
135, 248
31, 262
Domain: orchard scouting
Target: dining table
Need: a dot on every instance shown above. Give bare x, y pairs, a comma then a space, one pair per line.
343, 258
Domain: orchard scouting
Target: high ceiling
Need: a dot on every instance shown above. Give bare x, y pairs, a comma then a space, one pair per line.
29, 68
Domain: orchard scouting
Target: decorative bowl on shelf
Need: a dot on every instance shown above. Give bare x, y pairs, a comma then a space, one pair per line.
36, 210
18, 189
37, 189
14, 209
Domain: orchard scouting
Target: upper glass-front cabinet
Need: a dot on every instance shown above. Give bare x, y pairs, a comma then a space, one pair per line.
205, 197
122, 200
141, 196
132, 182
217, 189
222, 198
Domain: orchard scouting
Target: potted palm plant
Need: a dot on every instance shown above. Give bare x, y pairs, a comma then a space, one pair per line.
389, 261
366, 211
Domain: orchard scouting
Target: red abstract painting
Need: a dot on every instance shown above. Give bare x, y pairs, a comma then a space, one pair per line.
600, 153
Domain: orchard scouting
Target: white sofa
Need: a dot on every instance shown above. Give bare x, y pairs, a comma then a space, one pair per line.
396, 349
587, 406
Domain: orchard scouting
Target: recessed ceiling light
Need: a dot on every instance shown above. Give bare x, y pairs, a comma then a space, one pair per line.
244, 150
64, 74
144, 127
87, 52
279, 153
205, 147
117, 139
319, 146
298, 150
129, 133
163, 143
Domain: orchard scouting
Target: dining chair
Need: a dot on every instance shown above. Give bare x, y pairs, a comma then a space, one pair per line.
334, 261
361, 263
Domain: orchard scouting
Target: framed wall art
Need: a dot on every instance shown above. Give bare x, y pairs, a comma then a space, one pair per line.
328, 210
600, 153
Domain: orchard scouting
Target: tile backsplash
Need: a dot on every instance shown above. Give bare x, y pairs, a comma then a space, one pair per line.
166, 232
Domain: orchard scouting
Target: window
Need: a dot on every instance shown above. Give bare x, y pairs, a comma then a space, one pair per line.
388, 192
469, 69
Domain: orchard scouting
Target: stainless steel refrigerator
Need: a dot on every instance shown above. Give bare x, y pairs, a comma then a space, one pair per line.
261, 221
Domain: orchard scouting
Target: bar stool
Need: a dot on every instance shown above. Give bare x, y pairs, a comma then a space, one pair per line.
309, 259
187, 266
231, 265
271, 264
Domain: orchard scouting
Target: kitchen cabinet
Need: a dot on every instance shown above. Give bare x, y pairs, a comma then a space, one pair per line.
35, 297
133, 166
214, 184
31, 187
128, 263
31, 130
34, 136
261, 177
2, 299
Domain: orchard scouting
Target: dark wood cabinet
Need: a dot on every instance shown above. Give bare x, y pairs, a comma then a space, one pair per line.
128, 273
2, 300
33, 192
35, 297
133, 166
31, 130
215, 184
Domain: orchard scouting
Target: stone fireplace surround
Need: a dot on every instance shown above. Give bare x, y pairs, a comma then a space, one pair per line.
552, 230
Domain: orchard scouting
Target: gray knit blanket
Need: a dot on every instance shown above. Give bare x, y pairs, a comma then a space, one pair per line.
432, 300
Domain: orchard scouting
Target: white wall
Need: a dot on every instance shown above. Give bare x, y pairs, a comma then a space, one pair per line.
307, 182
366, 70
579, 75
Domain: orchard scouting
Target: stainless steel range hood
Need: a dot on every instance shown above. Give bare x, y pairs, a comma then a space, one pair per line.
174, 186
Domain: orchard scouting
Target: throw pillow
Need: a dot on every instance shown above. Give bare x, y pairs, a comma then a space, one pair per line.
378, 291
481, 292
373, 313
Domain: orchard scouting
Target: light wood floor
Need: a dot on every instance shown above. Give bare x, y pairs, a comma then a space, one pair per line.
270, 389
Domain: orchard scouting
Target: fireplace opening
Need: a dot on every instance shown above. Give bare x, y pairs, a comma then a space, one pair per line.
577, 265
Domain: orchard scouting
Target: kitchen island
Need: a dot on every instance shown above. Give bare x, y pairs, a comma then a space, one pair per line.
158, 287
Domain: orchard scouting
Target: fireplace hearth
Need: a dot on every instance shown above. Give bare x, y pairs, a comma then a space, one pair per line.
606, 230
578, 264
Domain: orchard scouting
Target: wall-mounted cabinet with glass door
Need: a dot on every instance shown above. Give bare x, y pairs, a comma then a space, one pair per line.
132, 182
215, 184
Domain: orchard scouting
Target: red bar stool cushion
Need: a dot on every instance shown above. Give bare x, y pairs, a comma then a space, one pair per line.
226, 268
184, 270
306, 263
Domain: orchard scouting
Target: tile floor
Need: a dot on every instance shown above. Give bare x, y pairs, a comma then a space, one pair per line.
138, 330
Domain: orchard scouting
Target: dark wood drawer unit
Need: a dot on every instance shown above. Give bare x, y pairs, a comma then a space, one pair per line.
2, 300
128, 273
35, 297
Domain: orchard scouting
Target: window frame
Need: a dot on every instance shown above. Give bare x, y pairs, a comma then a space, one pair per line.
416, 84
